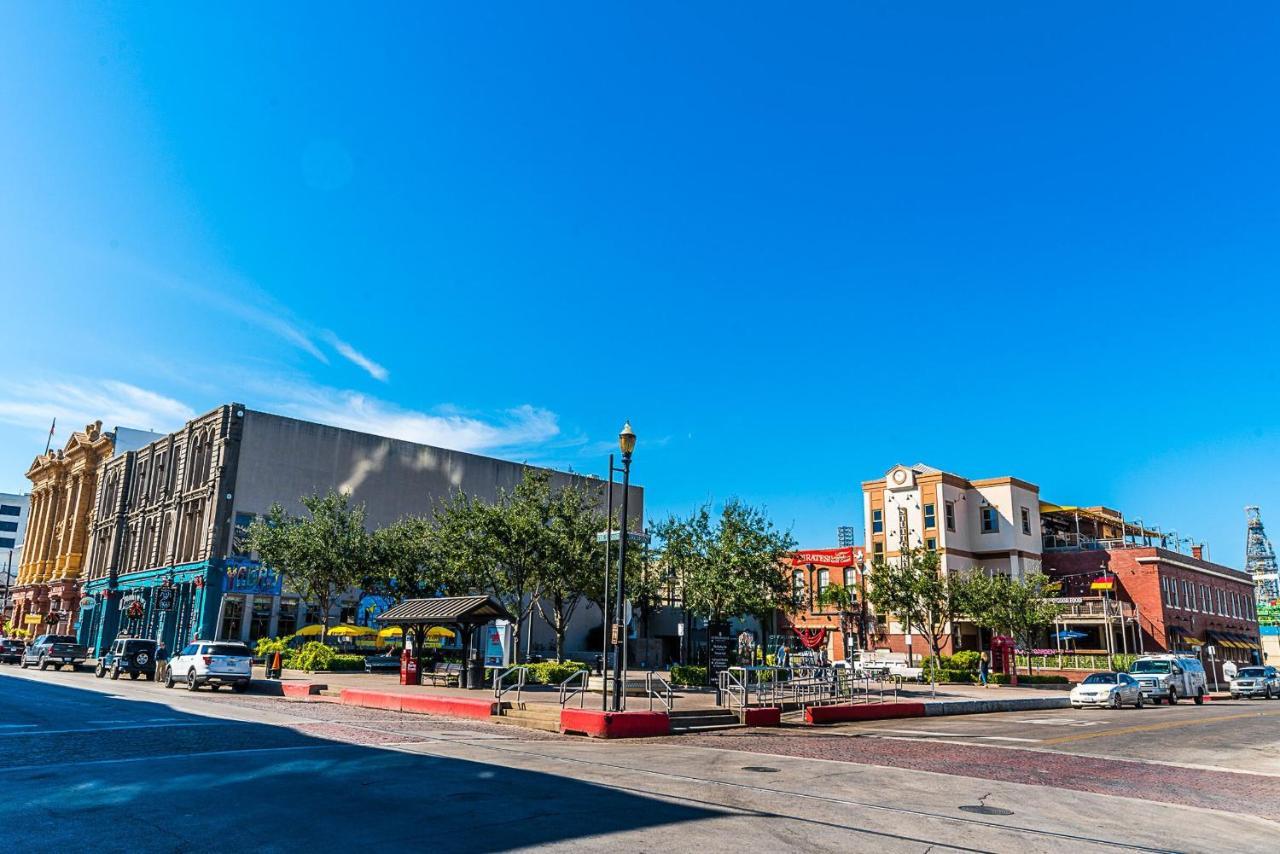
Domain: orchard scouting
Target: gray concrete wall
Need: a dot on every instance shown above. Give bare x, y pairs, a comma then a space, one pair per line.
282, 459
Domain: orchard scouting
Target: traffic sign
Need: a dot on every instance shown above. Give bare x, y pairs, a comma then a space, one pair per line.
626, 613
613, 537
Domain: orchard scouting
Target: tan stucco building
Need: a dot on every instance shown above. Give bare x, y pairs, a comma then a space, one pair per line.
63, 484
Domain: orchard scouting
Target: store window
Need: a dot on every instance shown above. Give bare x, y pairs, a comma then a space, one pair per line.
260, 624
232, 618
287, 624
930, 516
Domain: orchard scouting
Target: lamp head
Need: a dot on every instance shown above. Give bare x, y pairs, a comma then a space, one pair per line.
627, 440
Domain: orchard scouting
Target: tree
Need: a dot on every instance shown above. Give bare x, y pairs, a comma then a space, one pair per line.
1015, 607
915, 590
726, 567
845, 602
322, 555
407, 564
573, 563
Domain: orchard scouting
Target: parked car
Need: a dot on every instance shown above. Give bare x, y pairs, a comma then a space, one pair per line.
58, 650
1170, 677
212, 663
1112, 690
1256, 681
135, 656
11, 650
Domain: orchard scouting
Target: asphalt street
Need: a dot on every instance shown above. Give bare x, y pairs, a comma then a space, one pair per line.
131, 766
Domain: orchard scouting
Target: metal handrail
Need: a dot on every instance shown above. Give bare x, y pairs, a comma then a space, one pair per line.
566, 694
499, 689
663, 694
729, 684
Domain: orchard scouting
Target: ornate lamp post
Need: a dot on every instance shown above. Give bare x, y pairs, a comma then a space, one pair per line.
627, 442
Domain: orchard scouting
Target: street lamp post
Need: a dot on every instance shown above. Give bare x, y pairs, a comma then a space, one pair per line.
627, 442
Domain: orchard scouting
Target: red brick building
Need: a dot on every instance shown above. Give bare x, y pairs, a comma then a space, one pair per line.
1160, 601
817, 626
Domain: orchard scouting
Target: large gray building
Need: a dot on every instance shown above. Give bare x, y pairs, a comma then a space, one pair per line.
172, 514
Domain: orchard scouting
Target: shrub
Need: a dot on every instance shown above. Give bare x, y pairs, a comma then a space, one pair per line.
267, 646
346, 662
689, 674
1023, 679
315, 656
966, 659
952, 675
553, 672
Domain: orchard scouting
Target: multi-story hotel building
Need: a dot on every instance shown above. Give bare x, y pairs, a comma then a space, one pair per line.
14, 512
992, 525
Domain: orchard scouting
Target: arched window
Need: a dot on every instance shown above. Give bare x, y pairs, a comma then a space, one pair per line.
797, 585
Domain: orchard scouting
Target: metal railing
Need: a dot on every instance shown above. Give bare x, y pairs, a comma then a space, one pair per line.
568, 692
662, 693
728, 686
499, 690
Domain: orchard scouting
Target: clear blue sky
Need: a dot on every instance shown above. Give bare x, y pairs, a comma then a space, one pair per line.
793, 247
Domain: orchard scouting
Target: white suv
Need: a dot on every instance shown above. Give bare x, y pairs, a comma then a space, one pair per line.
212, 663
1170, 677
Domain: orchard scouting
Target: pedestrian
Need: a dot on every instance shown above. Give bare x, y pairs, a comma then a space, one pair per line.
1229, 670
984, 669
162, 661
599, 664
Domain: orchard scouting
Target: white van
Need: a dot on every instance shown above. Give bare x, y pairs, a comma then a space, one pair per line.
1170, 677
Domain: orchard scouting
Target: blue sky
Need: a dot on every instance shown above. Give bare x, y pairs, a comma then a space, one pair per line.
794, 249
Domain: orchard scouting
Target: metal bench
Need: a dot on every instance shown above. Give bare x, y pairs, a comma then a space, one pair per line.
445, 673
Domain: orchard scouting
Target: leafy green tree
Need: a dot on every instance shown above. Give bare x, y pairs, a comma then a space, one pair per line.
1014, 607
728, 565
844, 602
573, 562
913, 589
322, 554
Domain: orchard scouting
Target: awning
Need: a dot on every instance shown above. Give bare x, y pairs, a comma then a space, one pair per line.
1192, 641
1222, 639
1176, 631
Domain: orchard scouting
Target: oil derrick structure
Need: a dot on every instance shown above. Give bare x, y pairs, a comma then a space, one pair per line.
1260, 559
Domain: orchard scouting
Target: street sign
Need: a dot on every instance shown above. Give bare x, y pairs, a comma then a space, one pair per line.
1213, 650
32, 619
614, 536
626, 613
88, 603
680, 628
617, 634
164, 598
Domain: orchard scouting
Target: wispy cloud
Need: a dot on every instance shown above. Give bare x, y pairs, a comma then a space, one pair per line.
519, 428
76, 402
351, 354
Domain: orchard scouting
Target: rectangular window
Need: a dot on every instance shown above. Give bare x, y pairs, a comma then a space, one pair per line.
9, 527
1026, 521
930, 516
877, 521
7, 542
1164, 590
232, 617
10, 510
931, 544
797, 585
851, 578
824, 580
990, 520
877, 549
949, 511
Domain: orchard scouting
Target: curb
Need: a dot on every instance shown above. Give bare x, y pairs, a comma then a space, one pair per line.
982, 707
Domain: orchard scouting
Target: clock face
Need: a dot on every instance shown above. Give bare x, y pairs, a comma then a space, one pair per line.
899, 476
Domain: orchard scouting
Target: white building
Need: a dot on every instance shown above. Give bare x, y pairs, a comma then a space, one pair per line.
13, 526
992, 524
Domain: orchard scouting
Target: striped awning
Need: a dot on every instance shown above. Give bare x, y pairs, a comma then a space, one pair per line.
444, 609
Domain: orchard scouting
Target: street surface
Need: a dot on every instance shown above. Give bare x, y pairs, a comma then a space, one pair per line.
131, 766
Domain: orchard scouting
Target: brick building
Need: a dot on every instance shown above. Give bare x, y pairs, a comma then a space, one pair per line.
1160, 600
818, 626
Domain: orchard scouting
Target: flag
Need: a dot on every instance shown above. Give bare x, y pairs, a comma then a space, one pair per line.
49, 441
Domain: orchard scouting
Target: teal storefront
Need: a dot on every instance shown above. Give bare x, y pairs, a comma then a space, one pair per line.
174, 604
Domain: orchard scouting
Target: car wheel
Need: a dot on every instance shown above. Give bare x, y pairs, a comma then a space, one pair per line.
240, 687
44, 665
1173, 697
99, 671
115, 672
1267, 695
1199, 701
1139, 703
1115, 700
133, 674
168, 680
191, 680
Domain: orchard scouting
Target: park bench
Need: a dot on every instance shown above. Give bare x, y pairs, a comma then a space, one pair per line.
443, 673
382, 664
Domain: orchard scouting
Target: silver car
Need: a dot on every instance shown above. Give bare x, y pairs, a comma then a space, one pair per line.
1112, 690
1256, 681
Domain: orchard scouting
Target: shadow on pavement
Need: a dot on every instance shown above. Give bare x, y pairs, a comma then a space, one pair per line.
112, 773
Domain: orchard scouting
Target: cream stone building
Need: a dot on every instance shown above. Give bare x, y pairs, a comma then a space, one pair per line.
46, 597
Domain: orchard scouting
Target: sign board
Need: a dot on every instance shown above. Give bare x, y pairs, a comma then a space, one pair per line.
824, 557
252, 578
626, 613
614, 536
615, 635
32, 619
497, 637
164, 599
1065, 600
680, 628
719, 646
1213, 650
88, 603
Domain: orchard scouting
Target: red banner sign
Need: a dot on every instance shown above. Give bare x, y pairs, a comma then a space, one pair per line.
825, 557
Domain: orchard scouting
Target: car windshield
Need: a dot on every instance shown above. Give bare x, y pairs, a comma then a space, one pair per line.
60, 639
1252, 673
1100, 679
1150, 667
229, 649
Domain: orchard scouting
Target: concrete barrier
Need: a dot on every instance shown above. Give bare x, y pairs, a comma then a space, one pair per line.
978, 707
301, 690
864, 712
764, 716
598, 724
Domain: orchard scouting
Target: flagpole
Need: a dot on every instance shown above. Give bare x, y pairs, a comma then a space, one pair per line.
49, 441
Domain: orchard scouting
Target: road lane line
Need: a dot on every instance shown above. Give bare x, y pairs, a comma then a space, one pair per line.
1008, 738
1200, 721
116, 728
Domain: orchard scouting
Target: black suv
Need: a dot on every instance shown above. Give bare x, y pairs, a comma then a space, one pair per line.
11, 650
135, 656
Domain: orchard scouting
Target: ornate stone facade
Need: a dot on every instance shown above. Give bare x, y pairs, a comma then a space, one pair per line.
63, 485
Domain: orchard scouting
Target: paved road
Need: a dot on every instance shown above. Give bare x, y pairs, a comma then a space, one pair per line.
132, 767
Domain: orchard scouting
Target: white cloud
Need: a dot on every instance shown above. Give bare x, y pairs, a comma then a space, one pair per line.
351, 354
78, 402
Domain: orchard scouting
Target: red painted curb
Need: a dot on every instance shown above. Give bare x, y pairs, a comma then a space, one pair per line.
598, 724
866, 712
457, 707
301, 690
370, 699
766, 716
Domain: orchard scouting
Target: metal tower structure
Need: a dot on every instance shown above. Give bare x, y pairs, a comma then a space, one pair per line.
1260, 559
844, 536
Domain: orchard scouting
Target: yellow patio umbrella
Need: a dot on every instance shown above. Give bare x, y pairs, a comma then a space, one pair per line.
440, 632
347, 630
391, 632
312, 630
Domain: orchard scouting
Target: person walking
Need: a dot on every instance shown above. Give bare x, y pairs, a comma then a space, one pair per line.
984, 669
162, 661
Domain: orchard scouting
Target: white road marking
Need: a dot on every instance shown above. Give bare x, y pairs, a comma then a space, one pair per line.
1056, 722
912, 731
112, 729
1009, 738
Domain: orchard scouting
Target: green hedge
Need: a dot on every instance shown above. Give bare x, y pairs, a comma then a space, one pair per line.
688, 674
1023, 679
553, 672
266, 646
315, 656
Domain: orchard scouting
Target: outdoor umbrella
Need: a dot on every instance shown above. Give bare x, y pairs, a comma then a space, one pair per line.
310, 630
347, 630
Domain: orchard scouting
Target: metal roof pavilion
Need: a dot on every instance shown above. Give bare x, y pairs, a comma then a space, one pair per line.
444, 609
